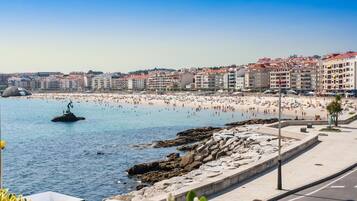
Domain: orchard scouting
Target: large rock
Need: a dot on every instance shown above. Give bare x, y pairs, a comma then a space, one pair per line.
187, 159
15, 91
188, 137
69, 117
143, 168
192, 166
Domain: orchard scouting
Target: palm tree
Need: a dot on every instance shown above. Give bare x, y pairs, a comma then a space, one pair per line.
335, 108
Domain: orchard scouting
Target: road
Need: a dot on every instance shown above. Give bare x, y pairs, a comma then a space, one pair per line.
342, 188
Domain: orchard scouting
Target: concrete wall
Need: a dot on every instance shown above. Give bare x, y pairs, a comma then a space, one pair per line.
313, 122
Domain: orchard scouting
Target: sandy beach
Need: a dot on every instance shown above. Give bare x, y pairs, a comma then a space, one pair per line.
295, 107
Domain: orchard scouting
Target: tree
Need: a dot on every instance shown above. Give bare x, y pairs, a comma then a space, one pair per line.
335, 108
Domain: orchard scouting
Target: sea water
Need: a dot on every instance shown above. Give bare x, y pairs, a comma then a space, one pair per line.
88, 158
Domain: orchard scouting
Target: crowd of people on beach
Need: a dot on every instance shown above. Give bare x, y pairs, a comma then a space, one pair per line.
249, 106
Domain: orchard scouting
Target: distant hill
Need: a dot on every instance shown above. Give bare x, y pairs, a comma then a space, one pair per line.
146, 71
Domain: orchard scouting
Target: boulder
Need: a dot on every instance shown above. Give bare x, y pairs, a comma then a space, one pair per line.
68, 117
173, 156
187, 159
192, 166
188, 137
143, 168
15, 91
208, 158
141, 186
220, 154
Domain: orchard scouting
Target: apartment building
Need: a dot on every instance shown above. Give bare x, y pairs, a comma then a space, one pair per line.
137, 82
52, 83
167, 80
303, 79
210, 79
159, 81
298, 78
240, 79
102, 82
257, 77
229, 79
339, 72
72, 82
280, 76
4, 79
119, 83
21, 82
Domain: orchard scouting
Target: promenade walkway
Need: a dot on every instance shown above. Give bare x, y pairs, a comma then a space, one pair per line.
335, 152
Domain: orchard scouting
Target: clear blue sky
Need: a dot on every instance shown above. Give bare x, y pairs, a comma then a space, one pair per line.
118, 35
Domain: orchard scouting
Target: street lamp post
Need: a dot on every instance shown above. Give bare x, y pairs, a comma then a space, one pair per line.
279, 141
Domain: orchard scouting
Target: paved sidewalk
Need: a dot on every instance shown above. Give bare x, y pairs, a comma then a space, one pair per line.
343, 187
335, 152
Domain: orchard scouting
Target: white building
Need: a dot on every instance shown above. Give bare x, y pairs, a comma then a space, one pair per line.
298, 78
21, 82
240, 79
163, 80
229, 79
339, 72
102, 82
137, 82
210, 79
51, 82
72, 83
280, 76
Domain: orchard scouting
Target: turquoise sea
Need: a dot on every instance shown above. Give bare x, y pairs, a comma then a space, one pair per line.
45, 156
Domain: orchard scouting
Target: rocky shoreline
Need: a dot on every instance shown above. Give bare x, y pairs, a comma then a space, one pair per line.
204, 145
188, 137
226, 149
186, 140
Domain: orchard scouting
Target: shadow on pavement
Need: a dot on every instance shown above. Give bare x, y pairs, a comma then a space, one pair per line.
241, 184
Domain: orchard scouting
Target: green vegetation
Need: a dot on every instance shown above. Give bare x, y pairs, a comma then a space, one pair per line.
191, 196
150, 70
335, 108
6, 196
352, 113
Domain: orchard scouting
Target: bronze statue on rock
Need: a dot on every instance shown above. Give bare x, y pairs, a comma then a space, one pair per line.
68, 116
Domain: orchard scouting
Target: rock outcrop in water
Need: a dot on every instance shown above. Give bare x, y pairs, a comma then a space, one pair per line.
205, 145
187, 137
68, 117
15, 91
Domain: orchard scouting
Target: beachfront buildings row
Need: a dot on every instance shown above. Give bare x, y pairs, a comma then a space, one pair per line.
332, 73
339, 72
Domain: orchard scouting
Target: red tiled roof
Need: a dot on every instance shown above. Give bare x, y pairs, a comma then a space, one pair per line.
138, 76
342, 56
